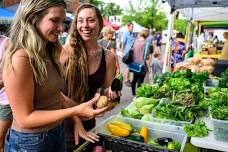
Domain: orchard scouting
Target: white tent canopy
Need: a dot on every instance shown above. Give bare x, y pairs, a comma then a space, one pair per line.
178, 4
206, 14
137, 28
202, 10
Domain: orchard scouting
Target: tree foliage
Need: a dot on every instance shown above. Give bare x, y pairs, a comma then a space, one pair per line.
149, 16
107, 9
180, 25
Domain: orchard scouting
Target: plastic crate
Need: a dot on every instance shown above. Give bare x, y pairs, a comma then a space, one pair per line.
210, 83
220, 129
155, 130
119, 145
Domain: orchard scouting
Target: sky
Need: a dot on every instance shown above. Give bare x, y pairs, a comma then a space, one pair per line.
124, 4
121, 3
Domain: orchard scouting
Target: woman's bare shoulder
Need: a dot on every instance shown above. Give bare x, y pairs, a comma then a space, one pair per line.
109, 55
20, 53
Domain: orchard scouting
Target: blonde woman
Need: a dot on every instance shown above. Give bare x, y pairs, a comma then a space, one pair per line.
109, 44
89, 68
33, 78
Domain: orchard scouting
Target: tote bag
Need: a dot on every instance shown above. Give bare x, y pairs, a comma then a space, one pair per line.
139, 68
127, 58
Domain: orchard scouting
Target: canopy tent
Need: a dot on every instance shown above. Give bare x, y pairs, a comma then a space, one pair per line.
137, 28
108, 23
6, 16
194, 10
13, 8
179, 4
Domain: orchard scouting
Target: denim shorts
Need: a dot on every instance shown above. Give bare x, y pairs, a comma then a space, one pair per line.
6, 113
49, 141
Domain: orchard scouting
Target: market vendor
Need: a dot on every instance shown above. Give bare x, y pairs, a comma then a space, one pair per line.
224, 54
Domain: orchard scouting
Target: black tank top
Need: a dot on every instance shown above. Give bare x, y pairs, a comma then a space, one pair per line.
95, 81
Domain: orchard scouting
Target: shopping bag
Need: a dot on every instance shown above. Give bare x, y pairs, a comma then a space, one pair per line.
136, 67
128, 57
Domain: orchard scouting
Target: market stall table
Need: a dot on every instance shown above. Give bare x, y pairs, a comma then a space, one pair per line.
209, 142
213, 56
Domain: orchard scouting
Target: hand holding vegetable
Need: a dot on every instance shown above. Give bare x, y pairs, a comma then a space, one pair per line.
86, 109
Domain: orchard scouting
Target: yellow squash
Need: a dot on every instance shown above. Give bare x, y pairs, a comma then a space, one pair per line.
122, 125
118, 131
144, 133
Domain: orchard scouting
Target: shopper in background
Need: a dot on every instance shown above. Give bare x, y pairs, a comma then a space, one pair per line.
224, 55
89, 68
127, 42
158, 40
139, 48
109, 44
149, 41
33, 79
156, 64
178, 50
6, 116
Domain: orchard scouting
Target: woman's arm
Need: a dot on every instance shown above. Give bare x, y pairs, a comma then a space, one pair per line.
109, 75
19, 86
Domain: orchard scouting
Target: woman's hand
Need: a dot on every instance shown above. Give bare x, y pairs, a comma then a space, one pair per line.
113, 94
86, 109
79, 131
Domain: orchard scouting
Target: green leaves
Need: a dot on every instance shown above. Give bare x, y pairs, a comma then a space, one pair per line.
199, 129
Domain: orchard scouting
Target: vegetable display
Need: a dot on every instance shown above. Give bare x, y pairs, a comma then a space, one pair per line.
142, 135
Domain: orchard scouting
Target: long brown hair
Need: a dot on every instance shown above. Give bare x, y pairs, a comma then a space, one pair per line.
77, 66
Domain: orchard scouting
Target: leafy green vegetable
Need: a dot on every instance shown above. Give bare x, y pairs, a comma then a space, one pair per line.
219, 104
224, 79
199, 129
146, 109
147, 117
173, 112
142, 101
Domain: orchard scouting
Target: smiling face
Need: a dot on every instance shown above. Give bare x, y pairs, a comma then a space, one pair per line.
52, 24
88, 24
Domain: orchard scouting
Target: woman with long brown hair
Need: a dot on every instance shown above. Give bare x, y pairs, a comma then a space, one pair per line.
89, 69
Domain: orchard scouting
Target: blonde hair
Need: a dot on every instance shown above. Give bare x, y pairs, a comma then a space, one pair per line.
24, 35
144, 33
77, 65
107, 30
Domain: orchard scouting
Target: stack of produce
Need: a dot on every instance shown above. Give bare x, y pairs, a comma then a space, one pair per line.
218, 103
197, 65
219, 112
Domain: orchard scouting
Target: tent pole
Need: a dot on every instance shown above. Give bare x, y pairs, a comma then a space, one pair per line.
166, 64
